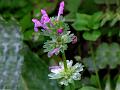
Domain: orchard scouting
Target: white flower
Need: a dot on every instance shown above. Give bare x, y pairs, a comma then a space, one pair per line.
65, 77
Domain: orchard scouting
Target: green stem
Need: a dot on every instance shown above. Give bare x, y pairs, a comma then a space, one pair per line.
107, 4
65, 62
118, 3
94, 62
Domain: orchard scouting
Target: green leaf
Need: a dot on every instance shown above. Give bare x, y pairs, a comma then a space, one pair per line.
88, 88
88, 62
28, 35
72, 5
107, 85
107, 16
26, 22
94, 22
108, 55
35, 73
104, 1
93, 80
91, 36
118, 84
81, 22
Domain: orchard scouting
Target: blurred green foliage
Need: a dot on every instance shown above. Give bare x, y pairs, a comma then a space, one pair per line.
96, 21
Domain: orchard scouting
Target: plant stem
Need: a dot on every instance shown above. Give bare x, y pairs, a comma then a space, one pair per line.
65, 62
118, 3
107, 4
94, 62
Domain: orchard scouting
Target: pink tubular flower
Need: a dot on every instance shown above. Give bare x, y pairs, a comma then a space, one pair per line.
37, 24
45, 19
42, 23
61, 8
55, 51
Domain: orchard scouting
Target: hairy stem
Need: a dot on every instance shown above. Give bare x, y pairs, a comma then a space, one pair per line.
65, 62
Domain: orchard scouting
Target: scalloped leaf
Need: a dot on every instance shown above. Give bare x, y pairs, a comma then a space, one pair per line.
91, 36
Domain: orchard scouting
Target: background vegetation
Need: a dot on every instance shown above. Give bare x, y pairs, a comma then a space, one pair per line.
97, 26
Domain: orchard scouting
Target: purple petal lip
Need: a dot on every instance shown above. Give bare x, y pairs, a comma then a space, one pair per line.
55, 51
54, 67
37, 24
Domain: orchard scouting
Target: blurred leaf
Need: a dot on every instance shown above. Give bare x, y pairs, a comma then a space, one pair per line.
93, 80
116, 17
72, 5
12, 3
94, 22
81, 22
107, 16
118, 84
105, 55
35, 72
91, 36
107, 85
88, 88
104, 1
87, 22
88, 62
26, 22
108, 55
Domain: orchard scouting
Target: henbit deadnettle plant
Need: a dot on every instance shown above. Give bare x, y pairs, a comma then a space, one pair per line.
68, 76
57, 30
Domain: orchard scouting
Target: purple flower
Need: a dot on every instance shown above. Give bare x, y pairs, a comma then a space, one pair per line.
37, 24
61, 8
45, 19
59, 31
55, 51
55, 69
74, 39
42, 23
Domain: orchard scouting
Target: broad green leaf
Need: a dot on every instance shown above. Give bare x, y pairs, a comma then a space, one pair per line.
35, 73
94, 22
107, 16
91, 36
118, 84
26, 22
28, 35
88, 62
72, 5
88, 88
81, 22
108, 55
93, 80
116, 17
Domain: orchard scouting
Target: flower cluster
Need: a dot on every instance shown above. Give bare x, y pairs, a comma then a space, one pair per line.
56, 29
59, 36
66, 77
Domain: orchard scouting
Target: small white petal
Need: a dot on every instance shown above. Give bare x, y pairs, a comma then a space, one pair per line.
69, 63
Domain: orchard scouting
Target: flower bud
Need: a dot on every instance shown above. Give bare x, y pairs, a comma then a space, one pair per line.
59, 31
